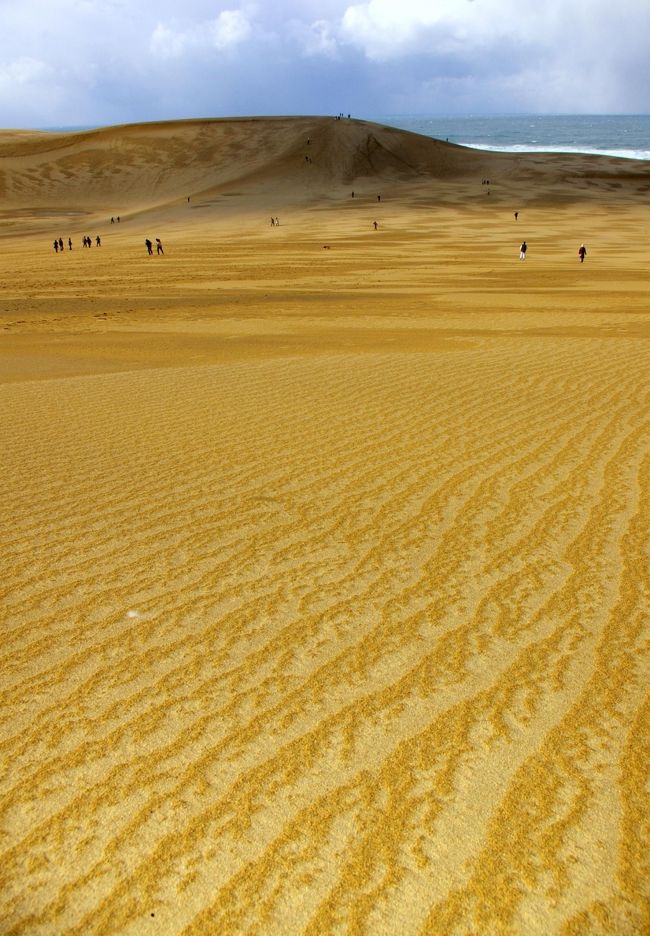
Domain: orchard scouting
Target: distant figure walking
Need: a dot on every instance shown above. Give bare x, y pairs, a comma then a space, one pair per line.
149, 246
376, 224
277, 222
159, 246
352, 194
56, 246
379, 198
112, 220
522, 250
69, 243
272, 222
582, 252
98, 241
60, 243
516, 215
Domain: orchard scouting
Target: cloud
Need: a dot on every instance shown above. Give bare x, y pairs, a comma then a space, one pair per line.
95, 61
22, 71
315, 38
228, 30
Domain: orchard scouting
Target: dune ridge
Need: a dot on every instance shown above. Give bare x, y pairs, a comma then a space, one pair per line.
324, 572
144, 166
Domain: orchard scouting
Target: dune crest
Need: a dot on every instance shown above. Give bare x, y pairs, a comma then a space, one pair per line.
145, 166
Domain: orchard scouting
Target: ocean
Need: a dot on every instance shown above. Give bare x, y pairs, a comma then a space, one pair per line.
624, 136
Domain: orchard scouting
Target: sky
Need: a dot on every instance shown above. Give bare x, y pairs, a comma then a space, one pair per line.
98, 62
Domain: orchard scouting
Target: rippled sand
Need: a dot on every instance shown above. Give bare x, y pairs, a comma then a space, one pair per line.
325, 564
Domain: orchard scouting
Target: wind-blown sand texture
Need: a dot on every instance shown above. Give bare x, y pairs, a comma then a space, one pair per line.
325, 563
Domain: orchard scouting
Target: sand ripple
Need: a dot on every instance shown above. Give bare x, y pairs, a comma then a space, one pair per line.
337, 644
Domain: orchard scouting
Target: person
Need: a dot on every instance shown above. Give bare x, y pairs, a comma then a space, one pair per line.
69, 243
352, 194
375, 224
379, 198
522, 250
149, 246
159, 246
112, 220
277, 222
272, 222
98, 241
516, 215
582, 253
56, 246
60, 243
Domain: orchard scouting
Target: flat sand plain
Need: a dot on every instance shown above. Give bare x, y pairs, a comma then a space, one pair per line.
325, 550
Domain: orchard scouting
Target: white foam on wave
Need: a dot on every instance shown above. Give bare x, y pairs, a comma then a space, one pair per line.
532, 148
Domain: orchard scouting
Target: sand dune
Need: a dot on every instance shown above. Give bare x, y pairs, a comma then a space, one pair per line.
324, 550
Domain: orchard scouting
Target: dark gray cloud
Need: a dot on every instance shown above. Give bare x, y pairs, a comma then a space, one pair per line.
110, 61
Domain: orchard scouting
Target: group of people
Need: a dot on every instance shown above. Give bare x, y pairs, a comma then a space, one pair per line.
87, 242
149, 246
59, 246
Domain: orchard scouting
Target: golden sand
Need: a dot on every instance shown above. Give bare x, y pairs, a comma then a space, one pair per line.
325, 550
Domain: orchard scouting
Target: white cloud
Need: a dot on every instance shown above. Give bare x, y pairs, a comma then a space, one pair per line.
317, 38
387, 30
229, 29
169, 44
22, 71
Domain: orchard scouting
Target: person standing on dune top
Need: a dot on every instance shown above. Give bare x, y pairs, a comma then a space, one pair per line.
582, 252
522, 251
149, 246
